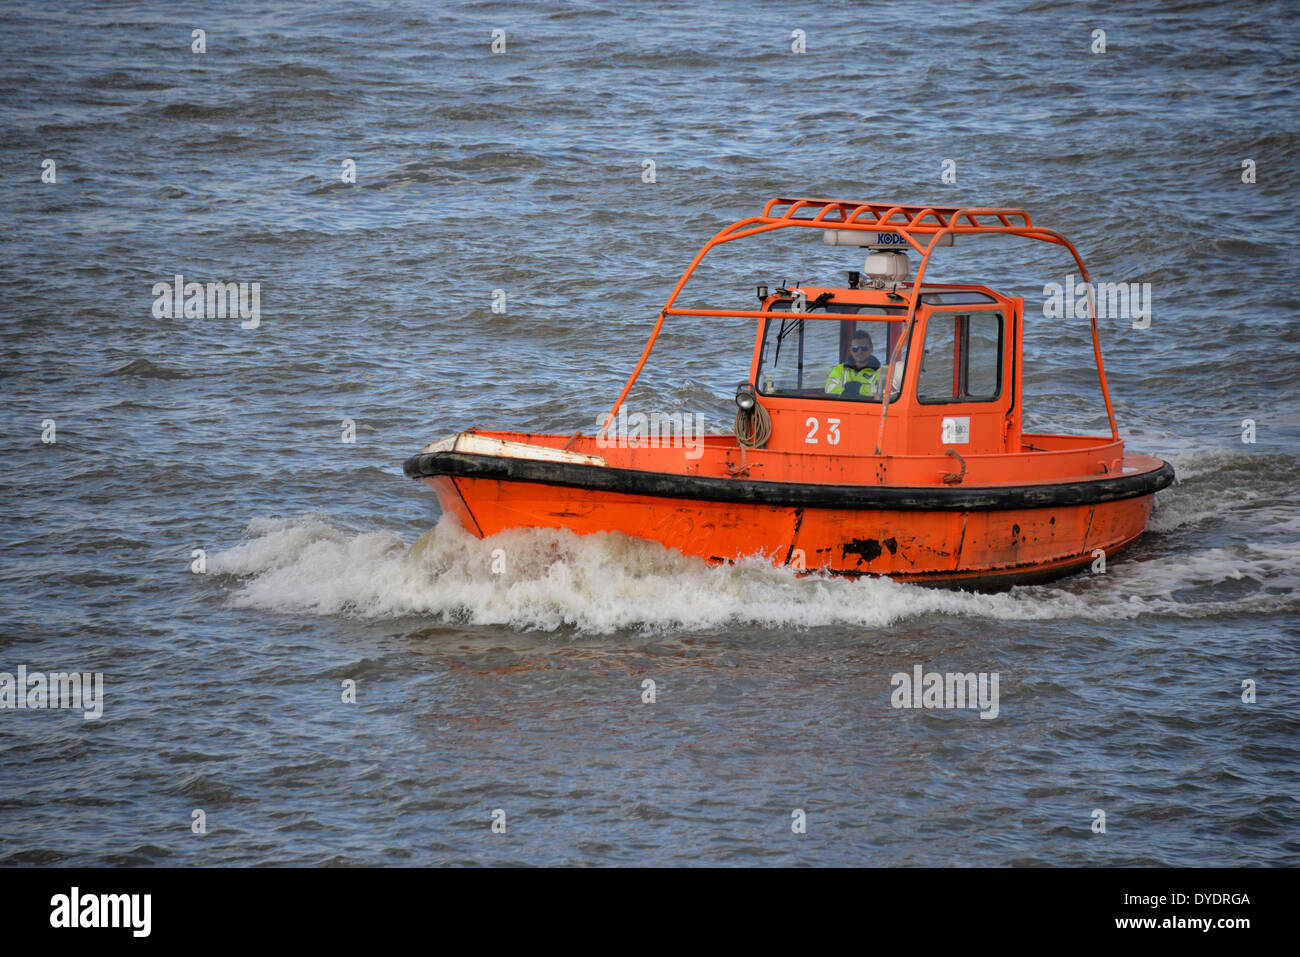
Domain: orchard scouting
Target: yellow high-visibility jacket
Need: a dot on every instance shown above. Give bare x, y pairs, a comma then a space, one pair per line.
842, 375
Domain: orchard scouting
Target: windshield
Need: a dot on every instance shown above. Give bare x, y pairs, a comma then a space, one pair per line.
831, 358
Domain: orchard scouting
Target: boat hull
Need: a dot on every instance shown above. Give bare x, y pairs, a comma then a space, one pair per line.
974, 537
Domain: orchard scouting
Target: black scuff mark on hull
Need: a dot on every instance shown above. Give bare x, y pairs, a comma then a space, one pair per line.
468, 511
899, 550
867, 549
794, 535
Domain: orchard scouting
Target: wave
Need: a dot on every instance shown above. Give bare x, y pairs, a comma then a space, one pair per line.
144, 369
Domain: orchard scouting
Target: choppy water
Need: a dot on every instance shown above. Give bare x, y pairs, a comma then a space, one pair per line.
523, 171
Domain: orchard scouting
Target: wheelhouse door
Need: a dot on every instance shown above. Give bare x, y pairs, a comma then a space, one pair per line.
963, 388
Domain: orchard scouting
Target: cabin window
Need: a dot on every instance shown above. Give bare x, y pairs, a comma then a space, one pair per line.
842, 359
962, 358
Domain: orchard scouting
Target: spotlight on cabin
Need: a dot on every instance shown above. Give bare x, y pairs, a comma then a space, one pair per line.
745, 396
762, 292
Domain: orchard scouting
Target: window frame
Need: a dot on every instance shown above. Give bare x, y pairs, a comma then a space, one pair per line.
964, 372
847, 310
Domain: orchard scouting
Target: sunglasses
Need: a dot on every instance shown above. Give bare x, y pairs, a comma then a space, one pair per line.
860, 349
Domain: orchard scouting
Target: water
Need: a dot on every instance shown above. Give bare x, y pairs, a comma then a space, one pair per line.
522, 692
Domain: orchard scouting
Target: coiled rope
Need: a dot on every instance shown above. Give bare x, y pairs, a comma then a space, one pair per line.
753, 427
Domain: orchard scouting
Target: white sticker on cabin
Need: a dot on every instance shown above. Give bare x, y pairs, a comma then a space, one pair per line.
955, 431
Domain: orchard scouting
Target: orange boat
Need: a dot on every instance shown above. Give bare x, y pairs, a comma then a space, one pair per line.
929, 479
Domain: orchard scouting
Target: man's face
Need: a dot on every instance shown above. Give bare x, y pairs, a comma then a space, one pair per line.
860, 350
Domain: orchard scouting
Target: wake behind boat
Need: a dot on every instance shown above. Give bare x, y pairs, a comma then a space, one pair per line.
879, 431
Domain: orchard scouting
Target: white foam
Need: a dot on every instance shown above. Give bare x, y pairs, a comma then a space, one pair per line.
608, 581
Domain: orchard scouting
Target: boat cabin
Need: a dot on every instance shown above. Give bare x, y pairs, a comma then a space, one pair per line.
889, 376
820, 370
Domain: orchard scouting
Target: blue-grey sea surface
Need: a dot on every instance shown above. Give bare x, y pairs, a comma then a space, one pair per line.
525, 170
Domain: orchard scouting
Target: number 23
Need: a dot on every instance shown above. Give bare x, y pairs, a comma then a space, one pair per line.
832, 431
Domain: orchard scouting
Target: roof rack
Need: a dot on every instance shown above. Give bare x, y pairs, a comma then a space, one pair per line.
920, 219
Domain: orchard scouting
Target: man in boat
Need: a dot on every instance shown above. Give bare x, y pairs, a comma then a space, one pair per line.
858, 373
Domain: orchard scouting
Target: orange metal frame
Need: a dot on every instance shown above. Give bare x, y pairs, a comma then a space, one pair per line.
912, 223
